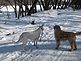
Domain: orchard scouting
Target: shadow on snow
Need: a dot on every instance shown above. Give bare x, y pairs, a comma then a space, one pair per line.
50, 45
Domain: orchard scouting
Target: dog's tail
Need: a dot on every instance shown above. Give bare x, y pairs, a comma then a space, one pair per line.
78, 33
18, 41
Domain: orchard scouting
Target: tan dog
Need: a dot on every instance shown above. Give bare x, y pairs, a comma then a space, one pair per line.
61, 35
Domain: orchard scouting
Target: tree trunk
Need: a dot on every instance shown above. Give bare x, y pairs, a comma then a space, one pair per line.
33, 6
15, 9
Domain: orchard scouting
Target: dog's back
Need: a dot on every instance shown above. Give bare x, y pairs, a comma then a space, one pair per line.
62, 35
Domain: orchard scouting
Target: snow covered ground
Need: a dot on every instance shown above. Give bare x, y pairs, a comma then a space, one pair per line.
11, 29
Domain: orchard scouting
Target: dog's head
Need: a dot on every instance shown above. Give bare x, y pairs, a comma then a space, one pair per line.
57, 27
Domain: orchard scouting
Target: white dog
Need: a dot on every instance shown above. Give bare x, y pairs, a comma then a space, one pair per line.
33, 36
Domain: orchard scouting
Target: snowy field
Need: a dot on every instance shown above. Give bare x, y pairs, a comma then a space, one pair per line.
11, 29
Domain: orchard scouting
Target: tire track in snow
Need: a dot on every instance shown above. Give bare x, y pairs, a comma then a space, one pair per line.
33, 54
59, 55
4, 56
22, 56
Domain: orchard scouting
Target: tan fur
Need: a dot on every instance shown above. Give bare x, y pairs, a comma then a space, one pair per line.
61, 35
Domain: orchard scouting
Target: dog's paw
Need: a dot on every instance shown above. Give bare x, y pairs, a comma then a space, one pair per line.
75, 49
56, 48
70, 50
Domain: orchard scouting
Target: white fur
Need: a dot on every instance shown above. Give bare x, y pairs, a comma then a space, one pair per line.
33, 36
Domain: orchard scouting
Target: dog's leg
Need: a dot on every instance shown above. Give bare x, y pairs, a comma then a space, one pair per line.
75, 47
71, 44
24, 45
34, 43
57, 44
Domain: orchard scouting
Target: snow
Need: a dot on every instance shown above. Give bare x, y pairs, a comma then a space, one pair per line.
68, 19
